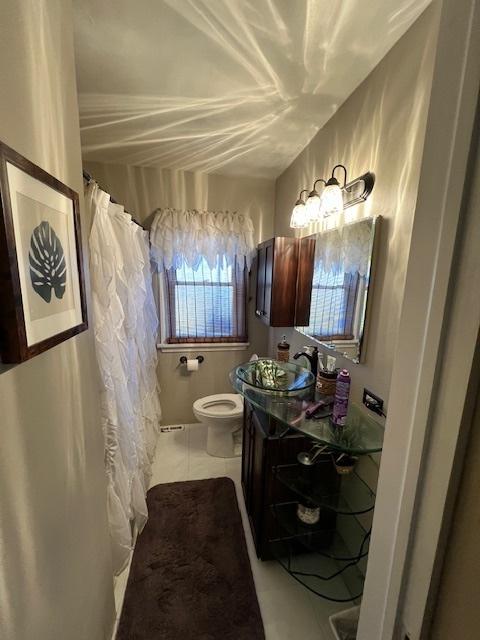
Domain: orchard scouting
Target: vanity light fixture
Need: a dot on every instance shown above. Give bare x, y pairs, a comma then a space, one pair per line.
332, 196
333, 199
358, 190
313, 203
299, 213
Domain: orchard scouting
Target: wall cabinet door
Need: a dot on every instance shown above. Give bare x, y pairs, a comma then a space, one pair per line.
260, 299
303, 297
284, 281
269, 252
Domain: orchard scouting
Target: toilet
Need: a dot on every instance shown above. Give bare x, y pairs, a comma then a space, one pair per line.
222, 413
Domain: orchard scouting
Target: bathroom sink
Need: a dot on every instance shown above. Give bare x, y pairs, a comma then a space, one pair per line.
273, 376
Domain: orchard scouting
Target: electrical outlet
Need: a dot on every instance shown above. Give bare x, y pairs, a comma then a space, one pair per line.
373, 402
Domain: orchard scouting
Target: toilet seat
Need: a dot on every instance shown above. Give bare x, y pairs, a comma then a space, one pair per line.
220, 405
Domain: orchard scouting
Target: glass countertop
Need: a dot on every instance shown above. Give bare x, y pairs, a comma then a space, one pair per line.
362, 434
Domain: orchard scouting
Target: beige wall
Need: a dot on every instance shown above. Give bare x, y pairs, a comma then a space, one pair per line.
55, 571
380, 128
457, 614
443, 280
142, 190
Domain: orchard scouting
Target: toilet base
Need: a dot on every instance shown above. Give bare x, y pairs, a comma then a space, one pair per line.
222, 443
222, 414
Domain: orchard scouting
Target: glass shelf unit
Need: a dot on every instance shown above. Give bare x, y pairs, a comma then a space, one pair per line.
348, 494
290, 412
323, 576
348, 542
329, 558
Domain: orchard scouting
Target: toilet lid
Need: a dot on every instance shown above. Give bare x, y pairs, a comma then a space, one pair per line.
221, 404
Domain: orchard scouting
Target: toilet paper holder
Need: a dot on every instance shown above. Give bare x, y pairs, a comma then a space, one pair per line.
183, 359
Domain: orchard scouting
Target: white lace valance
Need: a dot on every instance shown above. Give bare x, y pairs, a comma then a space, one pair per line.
178, 236
347, 249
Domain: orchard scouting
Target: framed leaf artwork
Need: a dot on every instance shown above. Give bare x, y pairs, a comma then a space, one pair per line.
42, 287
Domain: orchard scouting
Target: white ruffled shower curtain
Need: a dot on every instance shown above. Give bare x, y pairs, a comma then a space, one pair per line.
125, 326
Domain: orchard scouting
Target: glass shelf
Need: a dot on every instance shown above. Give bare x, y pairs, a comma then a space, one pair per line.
348, 495
348, 542
290, 412
321, 575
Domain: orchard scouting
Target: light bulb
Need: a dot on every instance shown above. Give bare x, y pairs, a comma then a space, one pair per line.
313, 207
298, 219
332, 199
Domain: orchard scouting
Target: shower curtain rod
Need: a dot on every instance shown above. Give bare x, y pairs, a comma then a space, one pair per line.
88, 178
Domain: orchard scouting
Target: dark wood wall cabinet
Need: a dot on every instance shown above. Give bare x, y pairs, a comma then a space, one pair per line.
284, 281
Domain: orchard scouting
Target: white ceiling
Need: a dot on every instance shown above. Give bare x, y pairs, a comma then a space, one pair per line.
236, 87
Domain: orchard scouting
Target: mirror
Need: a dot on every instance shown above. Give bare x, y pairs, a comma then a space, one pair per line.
341, 285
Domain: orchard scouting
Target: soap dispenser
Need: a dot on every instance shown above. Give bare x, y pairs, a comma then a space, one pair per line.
283, 350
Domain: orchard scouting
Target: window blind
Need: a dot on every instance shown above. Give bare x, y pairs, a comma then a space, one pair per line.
332, 311
207, 304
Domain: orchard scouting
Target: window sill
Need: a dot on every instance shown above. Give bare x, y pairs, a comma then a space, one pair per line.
205, 346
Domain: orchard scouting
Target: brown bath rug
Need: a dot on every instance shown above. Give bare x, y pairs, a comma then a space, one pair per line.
190, 576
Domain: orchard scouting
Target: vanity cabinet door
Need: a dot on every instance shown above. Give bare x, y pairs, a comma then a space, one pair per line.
261, 452
247, 454
253, 468
257, 483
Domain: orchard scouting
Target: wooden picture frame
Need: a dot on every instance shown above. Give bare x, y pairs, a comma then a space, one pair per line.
42, 285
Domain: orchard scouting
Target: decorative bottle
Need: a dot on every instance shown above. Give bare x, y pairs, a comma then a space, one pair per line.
342, 392
283, 350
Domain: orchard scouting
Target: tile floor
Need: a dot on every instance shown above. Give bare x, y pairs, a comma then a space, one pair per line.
289, 611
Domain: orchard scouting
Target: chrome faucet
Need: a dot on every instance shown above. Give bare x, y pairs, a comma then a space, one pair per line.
311, 357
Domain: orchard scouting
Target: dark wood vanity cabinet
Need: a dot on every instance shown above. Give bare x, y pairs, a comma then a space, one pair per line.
262, 450
284, 281
327, 550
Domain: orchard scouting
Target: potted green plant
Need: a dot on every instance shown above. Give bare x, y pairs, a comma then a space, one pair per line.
345, 439
344, 463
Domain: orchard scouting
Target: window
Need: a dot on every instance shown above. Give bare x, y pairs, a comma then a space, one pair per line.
332, 311
206, 305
